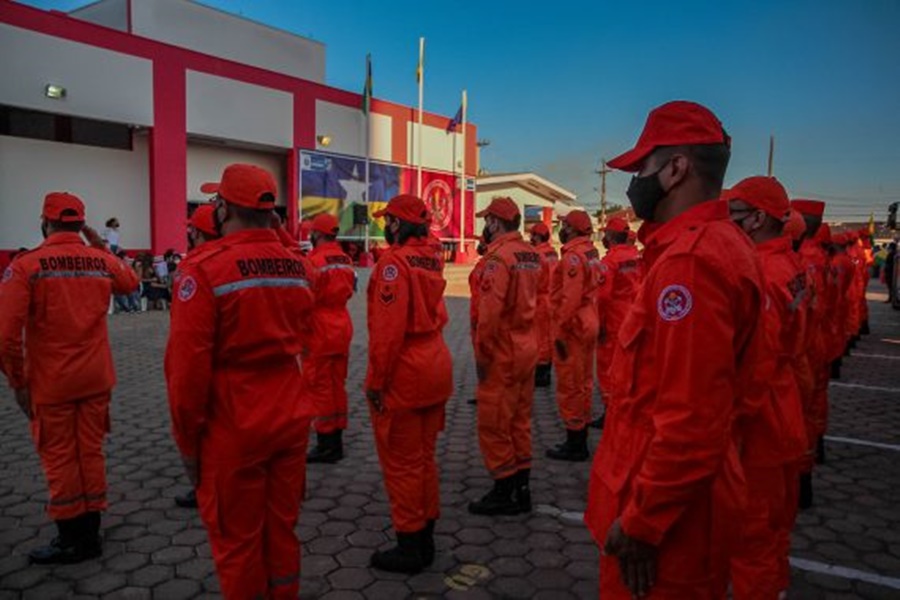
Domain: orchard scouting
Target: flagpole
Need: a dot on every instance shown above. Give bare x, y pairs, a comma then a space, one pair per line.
421, 78
368, 92
462, 194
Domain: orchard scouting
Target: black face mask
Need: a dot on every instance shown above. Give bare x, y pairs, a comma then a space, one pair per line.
44, 230
389, 236
645, 193
486, 235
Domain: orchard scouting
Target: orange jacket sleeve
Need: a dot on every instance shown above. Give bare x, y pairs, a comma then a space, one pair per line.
491, 300
15, 299
388, 308
189, 358
572, 271
692, 414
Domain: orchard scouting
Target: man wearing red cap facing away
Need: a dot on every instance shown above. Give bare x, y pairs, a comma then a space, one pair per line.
240, 414
666, 487
409, 379
540, 239
54, 350
506, 353
772, 439
618, 283
573, 296
329, 341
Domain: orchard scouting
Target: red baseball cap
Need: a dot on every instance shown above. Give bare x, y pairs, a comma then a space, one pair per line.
809, 208
678, 123
55, 203
501, 207
325, 223
579, 221
540, 229
245, 185
202, 220
617, 224
405, 207
795, 226
764, 193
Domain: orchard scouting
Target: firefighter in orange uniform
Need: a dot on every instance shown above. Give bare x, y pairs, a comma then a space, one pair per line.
54, 351
666, 488
474, 292
814, 259
240, 414
201, 229
409, 379
773, 439
506, 353
573, 296
618, 283
540, 239
329, 342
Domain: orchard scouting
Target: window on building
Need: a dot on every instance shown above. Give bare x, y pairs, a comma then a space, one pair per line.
20, 122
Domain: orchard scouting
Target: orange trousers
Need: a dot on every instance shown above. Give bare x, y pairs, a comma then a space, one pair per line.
328, 387
756, 566
604, 362
504, 420
575, 382
250, 505
69, 440
791, 497
406, 440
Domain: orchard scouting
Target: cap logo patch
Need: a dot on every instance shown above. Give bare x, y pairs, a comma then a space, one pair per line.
7, 274
675, 303
187, 289
390, 273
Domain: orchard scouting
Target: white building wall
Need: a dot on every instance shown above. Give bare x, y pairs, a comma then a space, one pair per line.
99, 84
108, 13
346, 128
112, 183
210, 31
232, 110
439, 149
205, 162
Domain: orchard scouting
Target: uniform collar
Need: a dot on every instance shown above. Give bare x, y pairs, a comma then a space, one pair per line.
582, 239
502, 239
326, 246
247, 236
775, 245
63, 237
658, 237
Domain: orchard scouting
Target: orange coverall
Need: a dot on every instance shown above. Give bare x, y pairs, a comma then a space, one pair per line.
573, 296
58, 296
667, 466
618, 283
410, 364
506, 351
474, 293
544, 317
773, 440
332, 331
240, 316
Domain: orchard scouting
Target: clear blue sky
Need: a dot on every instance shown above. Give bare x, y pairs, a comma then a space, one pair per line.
557, 85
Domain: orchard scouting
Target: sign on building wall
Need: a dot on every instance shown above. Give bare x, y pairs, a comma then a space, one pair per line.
335, 184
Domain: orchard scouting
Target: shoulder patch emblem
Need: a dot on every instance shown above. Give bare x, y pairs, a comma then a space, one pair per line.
574, 260
390, 273
7, 274
675, 303
187, 289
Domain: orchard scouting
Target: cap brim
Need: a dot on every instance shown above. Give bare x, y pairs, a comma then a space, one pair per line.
210, 187
630, 161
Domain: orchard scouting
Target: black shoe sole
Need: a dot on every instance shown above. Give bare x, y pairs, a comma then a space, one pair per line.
567, 457
510, 511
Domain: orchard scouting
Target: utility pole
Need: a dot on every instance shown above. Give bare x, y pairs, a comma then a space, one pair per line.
771, 154
602, 171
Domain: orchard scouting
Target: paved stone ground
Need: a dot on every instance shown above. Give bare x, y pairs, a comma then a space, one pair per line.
154, 550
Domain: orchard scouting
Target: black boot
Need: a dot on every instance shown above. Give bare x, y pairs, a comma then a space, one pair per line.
820, 451
542, 375
836, 369
329, 448
522, 491
598, 422
428, 543
71, 545
498, 501
405, 557
91, 542
574, 449
864, 330
806, 491
188, 500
